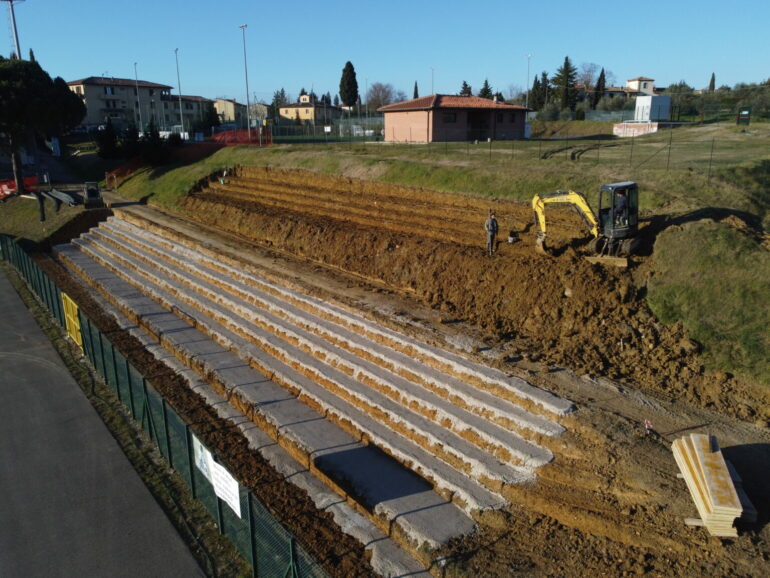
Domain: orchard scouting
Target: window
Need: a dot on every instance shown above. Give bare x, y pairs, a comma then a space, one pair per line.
152, 92
109, 90
449, 117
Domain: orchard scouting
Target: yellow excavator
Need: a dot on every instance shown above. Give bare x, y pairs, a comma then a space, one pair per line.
614, 228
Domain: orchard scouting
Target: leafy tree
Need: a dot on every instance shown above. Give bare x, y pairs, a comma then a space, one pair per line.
466, 90
399, 96
26, 94
712, 83
598, 92
486, 90
349, 85
416, 93
564, 85
549, 111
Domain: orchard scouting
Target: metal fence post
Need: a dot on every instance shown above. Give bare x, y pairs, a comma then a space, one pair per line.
252, 537
711, 158
165, 424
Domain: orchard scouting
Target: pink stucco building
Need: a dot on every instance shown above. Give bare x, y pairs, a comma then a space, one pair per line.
441, 117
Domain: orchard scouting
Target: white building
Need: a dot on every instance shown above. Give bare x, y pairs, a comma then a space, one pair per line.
652, 108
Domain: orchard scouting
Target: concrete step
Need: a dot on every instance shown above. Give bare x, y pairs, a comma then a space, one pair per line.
347, 327
285, 344
388, 558
492, 437
399, 502
471, 494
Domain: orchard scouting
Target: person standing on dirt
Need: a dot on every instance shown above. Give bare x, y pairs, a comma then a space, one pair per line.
491, 228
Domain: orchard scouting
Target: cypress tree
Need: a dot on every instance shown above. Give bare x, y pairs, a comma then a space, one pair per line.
348, 85
601, 85
416, 92
712, 83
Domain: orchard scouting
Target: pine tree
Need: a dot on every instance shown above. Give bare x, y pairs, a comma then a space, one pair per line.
416, 92
712, 83
348, 85
564, 85
486, 90
336, 100
598, 93
302, 91
31, 55
466, 89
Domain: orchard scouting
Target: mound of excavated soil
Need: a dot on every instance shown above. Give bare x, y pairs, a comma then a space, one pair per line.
560, 309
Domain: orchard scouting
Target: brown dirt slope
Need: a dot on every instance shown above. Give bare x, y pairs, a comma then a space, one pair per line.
427, 244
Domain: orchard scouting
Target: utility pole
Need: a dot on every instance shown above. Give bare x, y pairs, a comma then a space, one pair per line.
246, 73
13, 26
526, 100
179, 86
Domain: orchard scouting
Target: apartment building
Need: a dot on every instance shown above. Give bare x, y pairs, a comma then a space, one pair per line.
126, 101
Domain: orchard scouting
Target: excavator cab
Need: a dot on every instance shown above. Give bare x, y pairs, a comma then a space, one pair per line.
619, 210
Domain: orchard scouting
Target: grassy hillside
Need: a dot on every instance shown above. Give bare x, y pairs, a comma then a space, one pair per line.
716, 281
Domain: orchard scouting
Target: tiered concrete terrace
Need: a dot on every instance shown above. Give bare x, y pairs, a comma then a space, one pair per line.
418, 439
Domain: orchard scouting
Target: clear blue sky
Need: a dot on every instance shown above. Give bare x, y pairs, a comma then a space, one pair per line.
300, 44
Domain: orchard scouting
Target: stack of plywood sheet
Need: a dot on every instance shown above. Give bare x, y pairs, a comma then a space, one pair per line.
704, 470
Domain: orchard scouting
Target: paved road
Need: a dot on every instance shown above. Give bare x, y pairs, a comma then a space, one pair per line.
70, 502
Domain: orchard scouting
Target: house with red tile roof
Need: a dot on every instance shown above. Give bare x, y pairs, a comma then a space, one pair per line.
451, 118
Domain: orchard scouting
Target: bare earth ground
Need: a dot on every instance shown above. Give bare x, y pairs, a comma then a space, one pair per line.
611, 502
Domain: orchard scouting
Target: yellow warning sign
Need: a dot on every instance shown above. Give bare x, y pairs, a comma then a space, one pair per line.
71, 319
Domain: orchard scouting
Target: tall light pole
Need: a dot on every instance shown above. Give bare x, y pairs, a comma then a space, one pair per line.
13, 27
526, 101
246, 73
138, 101
179, 86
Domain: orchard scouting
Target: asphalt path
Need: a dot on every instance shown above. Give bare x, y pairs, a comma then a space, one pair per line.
70, 502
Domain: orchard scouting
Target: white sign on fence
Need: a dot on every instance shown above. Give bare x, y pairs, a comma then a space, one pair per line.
225, 485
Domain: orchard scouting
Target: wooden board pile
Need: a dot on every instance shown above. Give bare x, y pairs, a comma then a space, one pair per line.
708, 478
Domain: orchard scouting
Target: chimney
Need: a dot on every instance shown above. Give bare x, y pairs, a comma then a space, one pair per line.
494, 99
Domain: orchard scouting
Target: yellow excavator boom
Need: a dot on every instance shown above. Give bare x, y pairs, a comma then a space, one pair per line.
573, 198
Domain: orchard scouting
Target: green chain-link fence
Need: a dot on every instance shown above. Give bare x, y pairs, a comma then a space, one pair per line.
265, 544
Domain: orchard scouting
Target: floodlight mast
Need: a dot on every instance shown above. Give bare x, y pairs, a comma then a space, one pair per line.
13, 26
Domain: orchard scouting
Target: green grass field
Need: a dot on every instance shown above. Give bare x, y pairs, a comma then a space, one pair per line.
687, 169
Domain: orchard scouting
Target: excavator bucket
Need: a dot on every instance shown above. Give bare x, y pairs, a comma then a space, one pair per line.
540, 245
611, 261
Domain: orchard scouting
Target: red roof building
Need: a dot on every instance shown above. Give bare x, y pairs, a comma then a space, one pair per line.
442, 118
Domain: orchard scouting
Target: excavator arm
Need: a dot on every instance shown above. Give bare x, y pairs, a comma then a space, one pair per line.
577, 200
